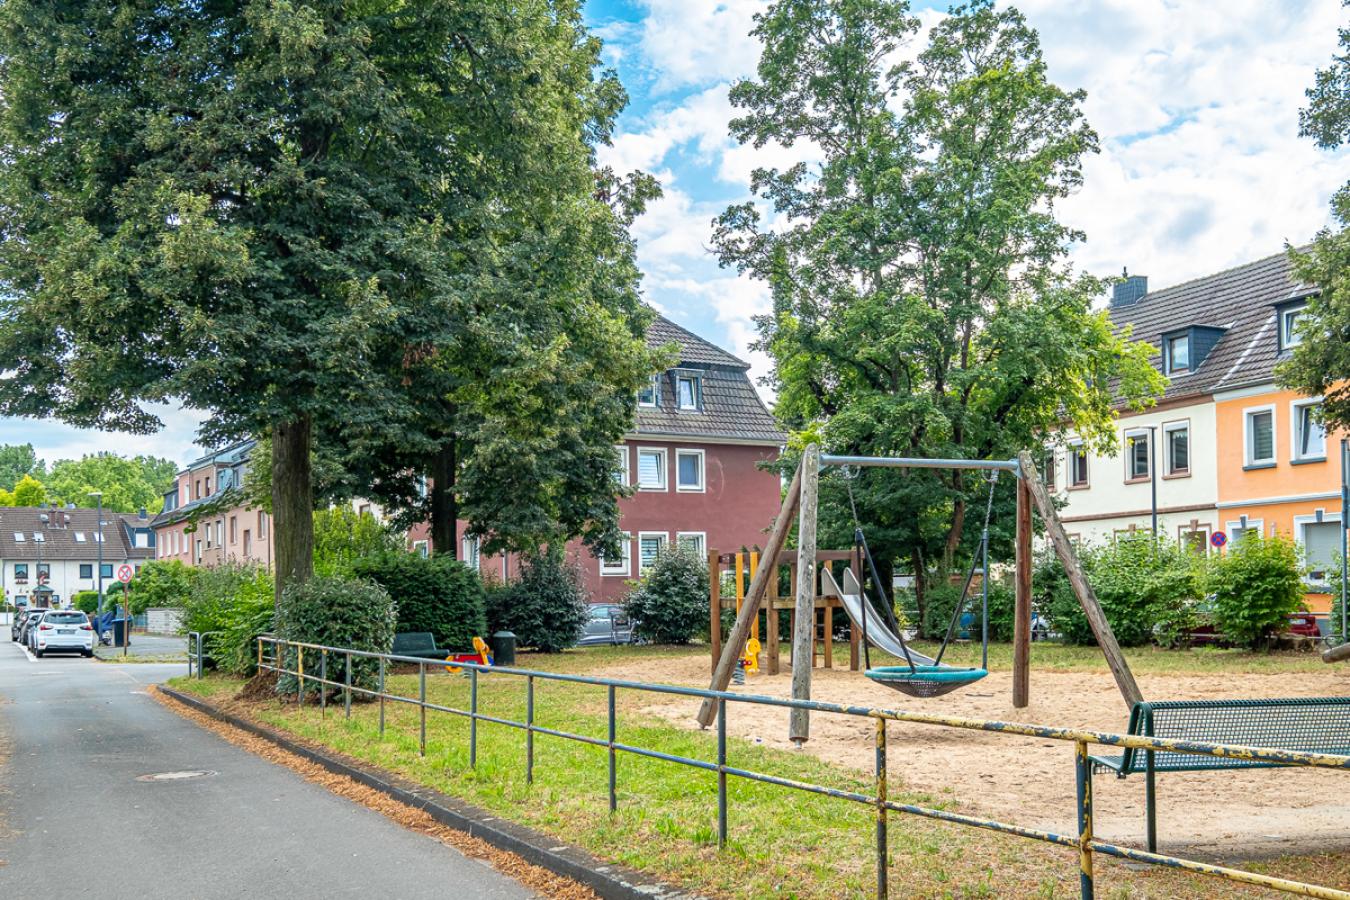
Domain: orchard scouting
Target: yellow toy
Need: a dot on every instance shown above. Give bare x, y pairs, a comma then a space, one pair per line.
751, 658
480, 654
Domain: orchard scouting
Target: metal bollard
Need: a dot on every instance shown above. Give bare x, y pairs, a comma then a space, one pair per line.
529, 729
347, 688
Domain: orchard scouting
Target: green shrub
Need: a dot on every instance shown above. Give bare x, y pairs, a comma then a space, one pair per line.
670, 606
160, 583
342, 538
942, 598
336, 612
1257, 585
546, 607
235, 603
435, 594
85, 601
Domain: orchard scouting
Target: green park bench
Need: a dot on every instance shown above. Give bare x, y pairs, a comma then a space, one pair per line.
419, 644
1311, 724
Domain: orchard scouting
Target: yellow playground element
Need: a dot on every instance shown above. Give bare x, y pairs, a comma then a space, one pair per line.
480, 655
750, 656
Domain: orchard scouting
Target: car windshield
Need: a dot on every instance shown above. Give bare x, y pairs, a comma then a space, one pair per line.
66, 618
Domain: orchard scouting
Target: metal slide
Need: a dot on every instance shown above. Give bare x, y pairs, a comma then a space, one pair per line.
879, 634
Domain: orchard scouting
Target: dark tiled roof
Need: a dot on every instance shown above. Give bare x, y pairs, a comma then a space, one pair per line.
61, 543
732, 409
1240, 301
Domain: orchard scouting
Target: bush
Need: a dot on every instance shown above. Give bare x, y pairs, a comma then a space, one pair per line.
336, 612
235, 602
160, 583
85, 601
1257, 585
435, 594
941, 603
670, 606
546, 607
342, 538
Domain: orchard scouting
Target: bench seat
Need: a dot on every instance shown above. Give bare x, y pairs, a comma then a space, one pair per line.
418, 644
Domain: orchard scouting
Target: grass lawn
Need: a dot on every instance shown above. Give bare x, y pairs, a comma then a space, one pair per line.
783, 843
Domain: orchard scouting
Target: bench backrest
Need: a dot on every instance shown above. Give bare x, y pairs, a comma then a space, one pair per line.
414, 642
1313, 724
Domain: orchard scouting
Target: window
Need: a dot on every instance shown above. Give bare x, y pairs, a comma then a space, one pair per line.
422, 549
1260, 436
1194, 538
1310, 438
651, 466
688, 391
650, 545
1078, 466
618, 567
21, 572
18, 537
1321, 540
1137, 455
248, 542
208, 535
106, 569
79, 537
1048, 470
142, 539
234, 529
1289, 334
96, 537
422, 487
694, 541
1177, 449
1243, 527
648, 396
208, 487
39, 538
199, 550
689, 470
1177, 354
86, 570
262, 525
469, 547
44, 571
621, 467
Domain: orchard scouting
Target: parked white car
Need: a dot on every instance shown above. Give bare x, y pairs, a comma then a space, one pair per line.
63, 631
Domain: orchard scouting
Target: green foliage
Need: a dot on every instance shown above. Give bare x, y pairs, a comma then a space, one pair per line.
28, 491
670, 606
127, 483
16, 461
435, 594
85, 601
1257, 585
342, 537
160, 583
923, 302
942, 598
545, 607
336, 612
236, 603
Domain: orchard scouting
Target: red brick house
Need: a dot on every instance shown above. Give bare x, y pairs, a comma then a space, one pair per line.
701, 431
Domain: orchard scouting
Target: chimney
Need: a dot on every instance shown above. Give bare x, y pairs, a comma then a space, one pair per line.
142, 513
1129, 290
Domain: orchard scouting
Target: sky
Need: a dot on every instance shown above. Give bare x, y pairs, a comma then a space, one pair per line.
1195, 102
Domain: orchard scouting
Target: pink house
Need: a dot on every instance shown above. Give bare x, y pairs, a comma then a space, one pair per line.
224, 529
693, 457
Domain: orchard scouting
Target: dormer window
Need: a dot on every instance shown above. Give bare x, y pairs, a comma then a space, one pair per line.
688, 391
1289, 318
647, 396
1177, 354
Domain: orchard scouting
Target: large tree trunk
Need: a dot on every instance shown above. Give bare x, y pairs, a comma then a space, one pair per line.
444, 507
292, 503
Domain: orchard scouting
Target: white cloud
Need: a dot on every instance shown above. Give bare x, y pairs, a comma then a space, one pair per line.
699, 42
53, 440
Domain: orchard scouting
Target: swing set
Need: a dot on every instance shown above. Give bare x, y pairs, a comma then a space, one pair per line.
920, 676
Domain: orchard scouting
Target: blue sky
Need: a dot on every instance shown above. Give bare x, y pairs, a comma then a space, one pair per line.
1196, 103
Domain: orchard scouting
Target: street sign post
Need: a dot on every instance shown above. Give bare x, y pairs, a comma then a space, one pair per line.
124, 573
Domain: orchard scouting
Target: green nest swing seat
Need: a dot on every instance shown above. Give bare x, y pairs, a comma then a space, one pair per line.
925, 681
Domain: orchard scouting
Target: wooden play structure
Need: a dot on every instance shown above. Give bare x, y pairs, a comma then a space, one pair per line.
800, 502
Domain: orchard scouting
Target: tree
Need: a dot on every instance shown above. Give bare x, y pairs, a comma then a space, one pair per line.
1321, 365
921, 302
282, 205
29, 492
16, 461
160, 583
342, 536
127, 483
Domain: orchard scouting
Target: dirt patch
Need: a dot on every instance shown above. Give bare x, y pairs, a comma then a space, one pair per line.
1226, 814
536, 878
262, 686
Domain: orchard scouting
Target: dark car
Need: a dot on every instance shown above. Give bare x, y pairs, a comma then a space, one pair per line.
16, 622
608, 624
18, 629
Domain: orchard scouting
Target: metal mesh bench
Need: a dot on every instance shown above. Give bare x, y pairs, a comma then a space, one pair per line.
1314, 724
420, 644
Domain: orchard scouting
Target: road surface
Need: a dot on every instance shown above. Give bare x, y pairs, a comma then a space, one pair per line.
76, 822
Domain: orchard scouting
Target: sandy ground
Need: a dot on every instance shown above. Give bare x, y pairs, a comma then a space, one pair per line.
1029, 781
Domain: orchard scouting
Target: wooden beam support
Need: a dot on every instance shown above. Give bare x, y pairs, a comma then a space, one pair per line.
740, 632
1087, 597
1336, 654
771, 624
804, 637
1022, 604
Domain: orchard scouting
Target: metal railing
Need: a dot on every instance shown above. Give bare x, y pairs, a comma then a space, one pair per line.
1083, 842
196, 642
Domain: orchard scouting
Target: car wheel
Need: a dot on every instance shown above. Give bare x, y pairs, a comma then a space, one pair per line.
87, 654
38, 653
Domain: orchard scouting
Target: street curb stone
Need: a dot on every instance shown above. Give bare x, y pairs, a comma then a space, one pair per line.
610, 881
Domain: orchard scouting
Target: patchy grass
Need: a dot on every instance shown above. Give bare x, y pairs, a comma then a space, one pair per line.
782, 842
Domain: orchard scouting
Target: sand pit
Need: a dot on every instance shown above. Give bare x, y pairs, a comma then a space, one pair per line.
1237, 814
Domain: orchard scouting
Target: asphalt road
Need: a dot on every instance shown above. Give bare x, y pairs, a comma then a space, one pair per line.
76, 822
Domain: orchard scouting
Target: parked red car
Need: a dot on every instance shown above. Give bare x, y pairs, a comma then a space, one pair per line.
1302, 624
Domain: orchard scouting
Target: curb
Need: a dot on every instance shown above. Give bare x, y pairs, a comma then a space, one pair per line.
609, 881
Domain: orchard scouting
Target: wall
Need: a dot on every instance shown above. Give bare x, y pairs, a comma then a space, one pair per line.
175, 542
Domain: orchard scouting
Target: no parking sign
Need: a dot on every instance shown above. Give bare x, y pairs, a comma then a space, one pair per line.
1218, 539
124, 573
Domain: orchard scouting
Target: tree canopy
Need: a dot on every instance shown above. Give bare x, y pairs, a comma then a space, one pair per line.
16, 461
922, 305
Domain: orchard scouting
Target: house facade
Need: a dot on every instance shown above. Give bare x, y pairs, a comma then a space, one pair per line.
48, 554
1226, 449
692, 461
204, 521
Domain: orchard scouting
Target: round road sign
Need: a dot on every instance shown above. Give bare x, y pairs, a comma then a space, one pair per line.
124, 573
1218, 539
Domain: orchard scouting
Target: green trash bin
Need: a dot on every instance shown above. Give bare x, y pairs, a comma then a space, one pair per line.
119, 630
504, 648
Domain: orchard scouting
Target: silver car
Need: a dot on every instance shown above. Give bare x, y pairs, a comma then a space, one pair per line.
608, 624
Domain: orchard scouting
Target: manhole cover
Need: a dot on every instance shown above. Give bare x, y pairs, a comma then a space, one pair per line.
174, 776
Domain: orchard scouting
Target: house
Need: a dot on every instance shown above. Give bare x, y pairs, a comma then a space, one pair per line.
693, 459
205, 520
1227, 449
48, 553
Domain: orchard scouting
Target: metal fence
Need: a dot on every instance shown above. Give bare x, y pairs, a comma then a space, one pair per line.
1086, 845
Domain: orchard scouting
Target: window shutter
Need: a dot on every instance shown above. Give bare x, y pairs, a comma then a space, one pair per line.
649, 470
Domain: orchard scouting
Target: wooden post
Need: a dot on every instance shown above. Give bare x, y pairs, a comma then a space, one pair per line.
1087, 598
740, 632
804, 637
771, 623
715, 605
1336, 654
828, 654
1022, 603
754, 568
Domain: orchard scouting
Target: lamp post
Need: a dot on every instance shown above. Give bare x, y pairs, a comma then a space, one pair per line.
98, 495
39, 539
1153, 480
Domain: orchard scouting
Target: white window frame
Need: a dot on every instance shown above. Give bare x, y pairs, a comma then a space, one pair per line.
1290, 338
1300, 525
700, 536
1167, 428
623, 567
1296, 408
1248, 445
79, 537
1257, 525
664, 537
1129, 436
697, 392
656, 394
665, 470
622, 473
471, 552
421, 548
702, 485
